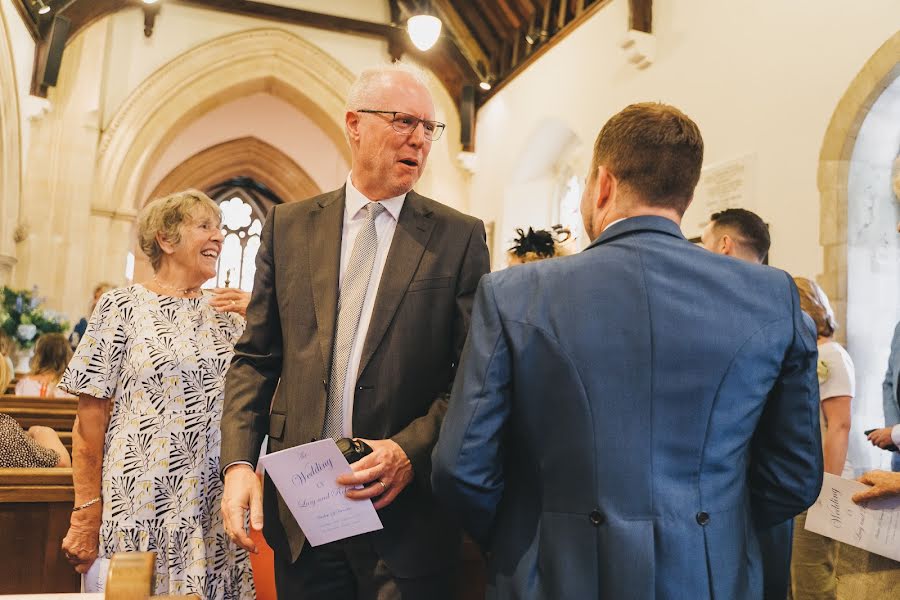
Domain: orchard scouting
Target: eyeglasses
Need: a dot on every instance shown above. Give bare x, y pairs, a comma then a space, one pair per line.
406, 124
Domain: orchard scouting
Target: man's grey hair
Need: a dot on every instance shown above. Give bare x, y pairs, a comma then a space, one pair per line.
364, 90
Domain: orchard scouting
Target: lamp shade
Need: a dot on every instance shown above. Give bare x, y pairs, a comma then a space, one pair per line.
423, 30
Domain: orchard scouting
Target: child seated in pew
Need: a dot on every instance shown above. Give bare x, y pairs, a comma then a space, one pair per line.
38, 447
52, 354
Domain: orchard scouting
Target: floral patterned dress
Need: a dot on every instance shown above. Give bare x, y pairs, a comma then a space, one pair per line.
163, 361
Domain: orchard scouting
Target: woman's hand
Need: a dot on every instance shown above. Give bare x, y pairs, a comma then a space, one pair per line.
230, 300
82, 542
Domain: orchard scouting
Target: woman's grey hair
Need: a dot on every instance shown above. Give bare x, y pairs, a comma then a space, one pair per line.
364, 90
165, 216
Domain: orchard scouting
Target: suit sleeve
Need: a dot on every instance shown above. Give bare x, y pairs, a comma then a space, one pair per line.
419, 437
467, 471
256, 366
786, 464
891, 408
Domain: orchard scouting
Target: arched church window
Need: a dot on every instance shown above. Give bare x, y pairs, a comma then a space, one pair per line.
244, 203
570, 209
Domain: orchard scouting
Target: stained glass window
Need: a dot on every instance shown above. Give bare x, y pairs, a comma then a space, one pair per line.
242, 220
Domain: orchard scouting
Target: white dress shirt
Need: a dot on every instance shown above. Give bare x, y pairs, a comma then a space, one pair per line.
385, 224
613, 223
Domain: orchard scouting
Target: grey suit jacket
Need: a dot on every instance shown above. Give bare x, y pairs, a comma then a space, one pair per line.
891, 383
277, 381
623, 418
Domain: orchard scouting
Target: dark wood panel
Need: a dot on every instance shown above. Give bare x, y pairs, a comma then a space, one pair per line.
642, 15
297, 16
32, 561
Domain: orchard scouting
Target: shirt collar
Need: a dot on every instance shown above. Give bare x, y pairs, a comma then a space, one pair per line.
613, 223
356, 200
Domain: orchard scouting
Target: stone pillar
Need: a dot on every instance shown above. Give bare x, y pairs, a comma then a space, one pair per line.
833, 237
56, 253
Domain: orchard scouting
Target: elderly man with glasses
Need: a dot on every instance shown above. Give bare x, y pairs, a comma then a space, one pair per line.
359, 312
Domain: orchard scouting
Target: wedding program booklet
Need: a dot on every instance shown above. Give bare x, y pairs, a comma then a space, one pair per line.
874, 526
305, 477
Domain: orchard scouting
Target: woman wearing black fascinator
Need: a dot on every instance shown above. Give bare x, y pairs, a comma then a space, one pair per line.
538, 245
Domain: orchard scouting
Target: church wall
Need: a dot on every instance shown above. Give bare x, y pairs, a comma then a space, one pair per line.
23, 58
265, 117
759, 78
132, 58
72, 246
16, 47
59, 230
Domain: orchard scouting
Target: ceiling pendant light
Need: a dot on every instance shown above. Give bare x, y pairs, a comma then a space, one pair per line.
44, 9
424, 30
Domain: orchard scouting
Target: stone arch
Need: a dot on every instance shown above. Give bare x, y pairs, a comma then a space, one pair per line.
250, 157
258, 60
834, 164
10, 153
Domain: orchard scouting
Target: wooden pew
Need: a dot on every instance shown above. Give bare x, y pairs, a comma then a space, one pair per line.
56, 413
66, 438
35, 505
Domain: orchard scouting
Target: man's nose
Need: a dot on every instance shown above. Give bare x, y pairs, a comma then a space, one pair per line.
417, 136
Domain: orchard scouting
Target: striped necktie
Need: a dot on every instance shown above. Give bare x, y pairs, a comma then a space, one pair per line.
350, 304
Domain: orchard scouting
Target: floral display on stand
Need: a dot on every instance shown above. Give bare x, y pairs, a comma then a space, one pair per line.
24, 321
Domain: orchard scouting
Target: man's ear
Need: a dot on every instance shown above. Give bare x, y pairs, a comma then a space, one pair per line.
606, 187
351, 122
726, 245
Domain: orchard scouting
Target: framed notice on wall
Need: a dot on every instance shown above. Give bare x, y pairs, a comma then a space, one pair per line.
728, 184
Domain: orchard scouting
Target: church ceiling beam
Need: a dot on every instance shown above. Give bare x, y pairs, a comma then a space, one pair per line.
509, 14
557, 18
297, 16
525, 8
495, 18
466, 41
480, 30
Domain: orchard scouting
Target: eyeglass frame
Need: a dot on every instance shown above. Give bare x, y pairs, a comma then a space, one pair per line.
439, 127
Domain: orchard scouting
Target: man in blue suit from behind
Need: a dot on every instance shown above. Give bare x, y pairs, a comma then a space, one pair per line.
624, 419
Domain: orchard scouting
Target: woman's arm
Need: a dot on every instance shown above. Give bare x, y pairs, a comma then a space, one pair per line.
48, 438
837, 418
81, 543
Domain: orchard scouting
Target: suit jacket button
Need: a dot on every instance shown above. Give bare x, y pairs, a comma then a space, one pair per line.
596, 518
702, 518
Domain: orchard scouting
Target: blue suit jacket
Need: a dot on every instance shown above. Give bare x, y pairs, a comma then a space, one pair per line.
622, 418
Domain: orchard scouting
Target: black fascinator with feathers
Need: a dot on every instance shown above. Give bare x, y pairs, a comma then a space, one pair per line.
540, 243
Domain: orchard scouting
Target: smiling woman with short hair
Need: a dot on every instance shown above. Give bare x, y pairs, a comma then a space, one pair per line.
150, 373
